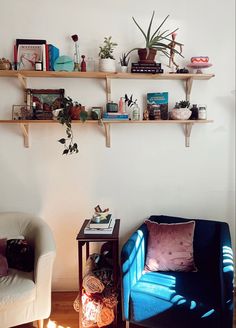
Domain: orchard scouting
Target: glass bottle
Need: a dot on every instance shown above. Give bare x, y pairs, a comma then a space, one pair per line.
135, 112
202, 113
194, 110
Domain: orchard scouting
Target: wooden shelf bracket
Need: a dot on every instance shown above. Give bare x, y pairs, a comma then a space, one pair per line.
25, 132
187, 133
107, 130
189, 83
23, 80
108, 89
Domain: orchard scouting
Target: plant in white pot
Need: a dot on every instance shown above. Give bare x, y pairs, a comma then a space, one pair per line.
181, 110
107, 61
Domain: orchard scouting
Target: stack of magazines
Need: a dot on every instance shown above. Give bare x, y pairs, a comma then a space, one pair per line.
103, 226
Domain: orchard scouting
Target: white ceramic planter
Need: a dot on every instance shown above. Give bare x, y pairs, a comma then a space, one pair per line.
107, 65
124, 69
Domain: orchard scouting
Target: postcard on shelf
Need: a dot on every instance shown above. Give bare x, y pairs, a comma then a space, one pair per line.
28, 55
103, 222
100, 231
157, 105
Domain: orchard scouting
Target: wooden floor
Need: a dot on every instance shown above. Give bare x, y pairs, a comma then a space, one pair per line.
63, 314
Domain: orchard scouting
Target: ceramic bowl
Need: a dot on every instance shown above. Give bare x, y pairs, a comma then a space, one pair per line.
180, 113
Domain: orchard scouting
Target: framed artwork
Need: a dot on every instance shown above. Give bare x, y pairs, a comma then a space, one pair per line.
44, 101
28, 55
22, 112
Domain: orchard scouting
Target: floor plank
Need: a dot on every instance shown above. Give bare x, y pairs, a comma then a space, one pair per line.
64, 315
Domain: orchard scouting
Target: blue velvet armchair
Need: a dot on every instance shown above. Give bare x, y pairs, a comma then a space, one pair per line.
180, 299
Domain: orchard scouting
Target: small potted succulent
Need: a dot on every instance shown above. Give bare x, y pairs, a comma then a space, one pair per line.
124, 61
181, 110
107, 61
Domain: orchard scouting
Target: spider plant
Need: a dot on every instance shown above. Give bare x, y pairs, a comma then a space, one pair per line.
158, 39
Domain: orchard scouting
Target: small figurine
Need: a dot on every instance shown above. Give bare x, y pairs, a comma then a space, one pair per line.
83, 64
5, 64
172, 45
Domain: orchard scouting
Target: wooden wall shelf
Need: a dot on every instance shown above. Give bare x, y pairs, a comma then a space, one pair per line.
187, 124
188, 79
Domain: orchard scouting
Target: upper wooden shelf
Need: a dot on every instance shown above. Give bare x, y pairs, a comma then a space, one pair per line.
104, 75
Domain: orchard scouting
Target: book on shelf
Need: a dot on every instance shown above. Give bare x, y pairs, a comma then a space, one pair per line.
103, 223
155, 65
157, 105
99, 231
115, 116
53, 54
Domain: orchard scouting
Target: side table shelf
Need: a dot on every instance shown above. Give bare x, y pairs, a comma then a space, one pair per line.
85, 239
187, 125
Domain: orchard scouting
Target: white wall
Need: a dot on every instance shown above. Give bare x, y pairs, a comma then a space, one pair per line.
148, 170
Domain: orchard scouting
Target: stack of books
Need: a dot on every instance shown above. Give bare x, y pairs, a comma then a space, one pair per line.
105, 226
152, 68
115, 116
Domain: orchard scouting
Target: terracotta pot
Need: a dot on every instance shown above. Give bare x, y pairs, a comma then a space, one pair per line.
75, 112
147, 55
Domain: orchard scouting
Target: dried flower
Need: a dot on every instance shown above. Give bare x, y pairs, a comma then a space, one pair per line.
75, 37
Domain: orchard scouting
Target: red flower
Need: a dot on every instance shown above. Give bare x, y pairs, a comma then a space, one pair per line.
75, 37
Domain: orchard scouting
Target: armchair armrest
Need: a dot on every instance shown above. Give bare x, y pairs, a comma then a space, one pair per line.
133, 256
45, 252
226, 272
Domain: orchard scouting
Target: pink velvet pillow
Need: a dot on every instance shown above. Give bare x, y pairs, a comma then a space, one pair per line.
3, 260
170, 246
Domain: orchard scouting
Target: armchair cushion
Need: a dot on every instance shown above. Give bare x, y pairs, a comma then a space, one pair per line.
170, 246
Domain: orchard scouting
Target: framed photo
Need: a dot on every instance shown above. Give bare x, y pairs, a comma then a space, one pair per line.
44, 101
22, 112
96, 113
28, 55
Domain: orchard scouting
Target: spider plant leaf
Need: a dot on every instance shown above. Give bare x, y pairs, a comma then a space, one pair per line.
140, 28
149, 28
159, 27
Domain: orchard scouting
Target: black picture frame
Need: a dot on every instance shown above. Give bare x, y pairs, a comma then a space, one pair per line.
44, 101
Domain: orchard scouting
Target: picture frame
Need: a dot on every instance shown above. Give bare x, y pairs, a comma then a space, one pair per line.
96, 113
28, 55
22, 112
44, 101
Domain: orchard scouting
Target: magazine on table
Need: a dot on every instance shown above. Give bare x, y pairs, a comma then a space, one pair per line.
102, 231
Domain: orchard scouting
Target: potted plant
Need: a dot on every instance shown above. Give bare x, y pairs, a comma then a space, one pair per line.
181, 110
107, 61
124, 61
157, 41
64, 117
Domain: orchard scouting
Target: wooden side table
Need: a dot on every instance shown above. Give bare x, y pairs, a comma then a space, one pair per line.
85, 239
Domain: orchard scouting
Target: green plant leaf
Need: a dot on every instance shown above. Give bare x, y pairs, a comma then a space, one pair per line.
62, 140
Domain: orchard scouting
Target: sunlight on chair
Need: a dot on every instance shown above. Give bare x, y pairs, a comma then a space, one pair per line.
228, 264
208, 313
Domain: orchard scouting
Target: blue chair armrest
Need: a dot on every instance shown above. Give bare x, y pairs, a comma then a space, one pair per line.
133, 256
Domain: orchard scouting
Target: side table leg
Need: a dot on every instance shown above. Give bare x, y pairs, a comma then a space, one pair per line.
80, 258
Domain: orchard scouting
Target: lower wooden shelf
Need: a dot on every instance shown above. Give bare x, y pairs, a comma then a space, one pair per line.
106, 125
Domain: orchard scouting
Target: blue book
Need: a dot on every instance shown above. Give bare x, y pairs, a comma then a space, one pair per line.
115, 116
157, 105
53, 54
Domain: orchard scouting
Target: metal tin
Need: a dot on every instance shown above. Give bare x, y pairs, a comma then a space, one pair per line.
112, 107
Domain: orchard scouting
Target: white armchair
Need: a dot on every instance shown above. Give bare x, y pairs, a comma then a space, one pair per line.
26, 296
